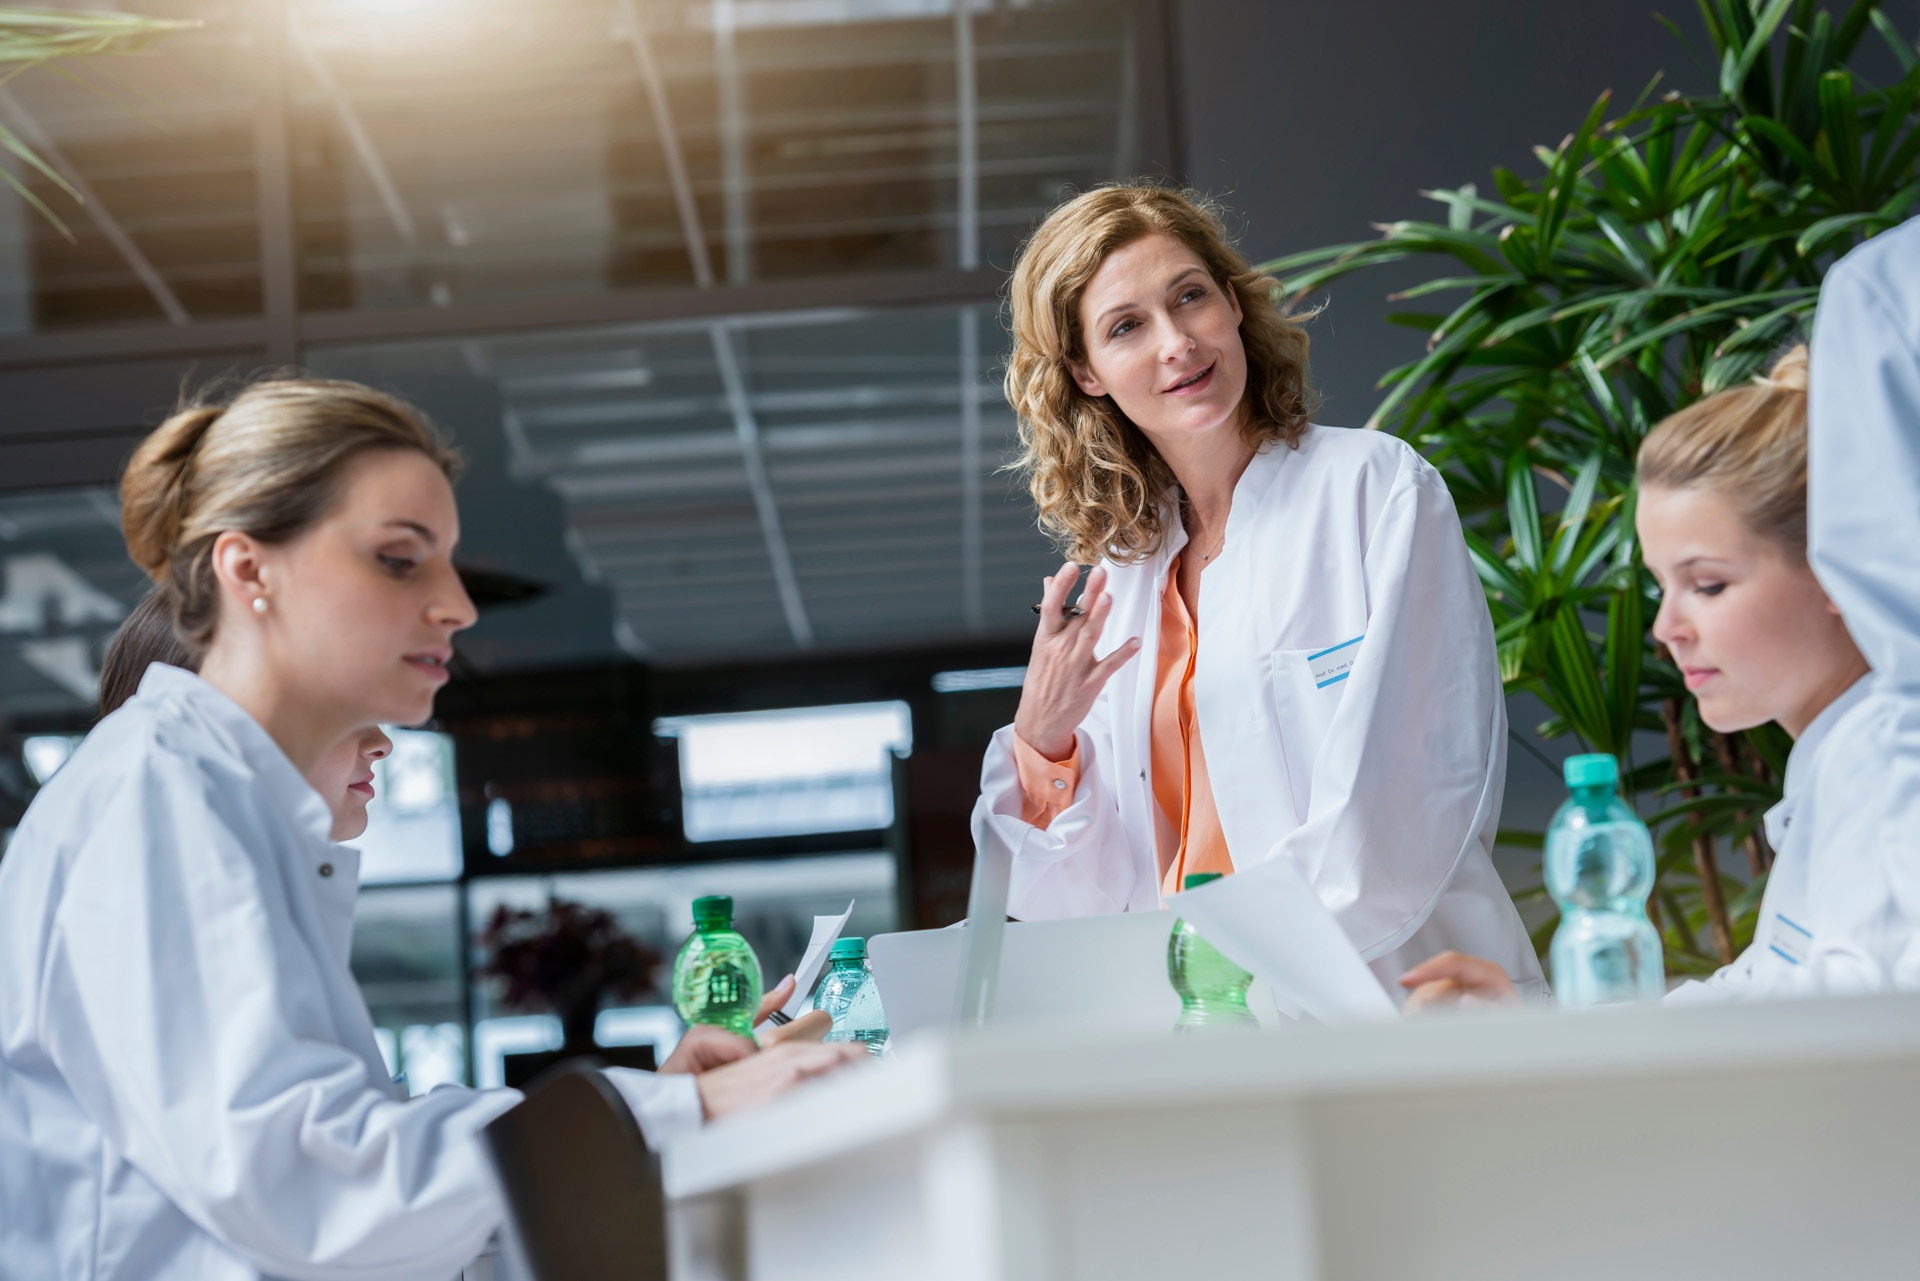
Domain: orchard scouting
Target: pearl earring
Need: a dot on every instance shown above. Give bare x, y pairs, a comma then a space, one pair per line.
259, 604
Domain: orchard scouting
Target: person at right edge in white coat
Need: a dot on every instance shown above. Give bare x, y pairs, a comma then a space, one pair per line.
1330, 701
1788, 535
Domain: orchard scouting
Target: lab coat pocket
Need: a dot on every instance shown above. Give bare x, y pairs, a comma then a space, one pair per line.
1307, 688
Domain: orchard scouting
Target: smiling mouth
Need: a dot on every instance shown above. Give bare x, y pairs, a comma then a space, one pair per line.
1191, 380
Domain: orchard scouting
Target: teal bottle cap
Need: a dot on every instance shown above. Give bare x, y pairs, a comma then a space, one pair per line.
848, 950
713, 909
1594, 769
1196, 879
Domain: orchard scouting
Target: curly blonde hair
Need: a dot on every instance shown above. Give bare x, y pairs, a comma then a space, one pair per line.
1097, 481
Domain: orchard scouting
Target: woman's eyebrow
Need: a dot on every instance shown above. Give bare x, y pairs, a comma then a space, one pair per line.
414, 526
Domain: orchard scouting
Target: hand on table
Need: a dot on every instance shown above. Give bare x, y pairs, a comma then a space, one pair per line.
775, 1070
1454, 980
1063, 676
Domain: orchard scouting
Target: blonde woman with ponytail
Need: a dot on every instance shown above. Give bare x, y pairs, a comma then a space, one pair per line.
190, 1088
1722, 520
1282, 658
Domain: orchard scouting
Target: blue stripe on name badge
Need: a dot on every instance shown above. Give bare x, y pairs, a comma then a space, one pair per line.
1329, 666
1332, 648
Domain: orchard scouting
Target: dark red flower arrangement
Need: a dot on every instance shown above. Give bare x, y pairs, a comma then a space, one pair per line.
567, 959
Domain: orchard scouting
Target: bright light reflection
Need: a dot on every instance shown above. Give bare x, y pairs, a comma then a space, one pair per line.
802, 743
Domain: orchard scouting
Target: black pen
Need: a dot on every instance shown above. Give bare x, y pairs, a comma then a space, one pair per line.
1071, 611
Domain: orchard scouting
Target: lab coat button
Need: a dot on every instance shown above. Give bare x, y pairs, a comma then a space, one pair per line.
326, 869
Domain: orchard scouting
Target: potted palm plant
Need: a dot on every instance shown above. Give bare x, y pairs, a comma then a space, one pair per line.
1663, 251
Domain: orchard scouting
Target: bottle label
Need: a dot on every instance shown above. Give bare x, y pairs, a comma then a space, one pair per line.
1333, 665
1789, 940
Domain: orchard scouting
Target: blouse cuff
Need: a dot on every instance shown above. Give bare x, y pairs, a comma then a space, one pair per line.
1046, 787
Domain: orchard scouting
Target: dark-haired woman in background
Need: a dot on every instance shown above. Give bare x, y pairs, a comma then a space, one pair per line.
190, 1089
343, 777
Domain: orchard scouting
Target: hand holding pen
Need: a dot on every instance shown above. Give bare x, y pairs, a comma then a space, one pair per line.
1063, 676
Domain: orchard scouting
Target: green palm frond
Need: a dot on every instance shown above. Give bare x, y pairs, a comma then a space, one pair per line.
1661, 253
31, 38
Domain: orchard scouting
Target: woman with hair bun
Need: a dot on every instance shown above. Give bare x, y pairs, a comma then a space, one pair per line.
1282, 654
189, 1083
1722, 521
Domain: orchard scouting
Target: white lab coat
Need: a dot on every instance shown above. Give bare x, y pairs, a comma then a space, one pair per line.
1826, 924
1349, 700
190, 1089
1863, 507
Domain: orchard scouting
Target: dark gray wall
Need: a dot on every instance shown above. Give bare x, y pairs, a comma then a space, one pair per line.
1315, 120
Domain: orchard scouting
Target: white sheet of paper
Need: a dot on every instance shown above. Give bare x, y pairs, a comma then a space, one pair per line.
1267, 920
825, 930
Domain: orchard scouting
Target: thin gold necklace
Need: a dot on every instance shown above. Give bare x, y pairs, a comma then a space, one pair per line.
1218, 543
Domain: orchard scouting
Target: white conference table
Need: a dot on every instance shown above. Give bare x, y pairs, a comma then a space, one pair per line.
1777, 1141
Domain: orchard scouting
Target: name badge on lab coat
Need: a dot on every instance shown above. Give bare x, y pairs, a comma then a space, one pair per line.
1790, 940
1333, 664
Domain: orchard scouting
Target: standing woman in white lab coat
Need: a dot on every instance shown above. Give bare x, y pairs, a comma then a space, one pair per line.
190, 1088
1282, 653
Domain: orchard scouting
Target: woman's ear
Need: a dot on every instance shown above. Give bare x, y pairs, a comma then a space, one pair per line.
239, 566
1084, 379
1233, 301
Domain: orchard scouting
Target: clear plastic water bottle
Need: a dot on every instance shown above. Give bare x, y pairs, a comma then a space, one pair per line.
716, 977
1599, 869
1213, 990
850, 995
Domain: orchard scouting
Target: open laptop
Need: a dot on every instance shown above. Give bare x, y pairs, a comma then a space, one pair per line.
1104, 971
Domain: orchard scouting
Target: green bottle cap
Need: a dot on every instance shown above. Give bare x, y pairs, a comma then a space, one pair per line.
715, 911
1196, 879
848, 950
1595, 769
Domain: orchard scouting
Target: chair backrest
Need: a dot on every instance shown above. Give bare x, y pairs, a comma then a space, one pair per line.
581, 1185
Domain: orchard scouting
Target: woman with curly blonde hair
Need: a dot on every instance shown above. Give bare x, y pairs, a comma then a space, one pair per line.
1332, 701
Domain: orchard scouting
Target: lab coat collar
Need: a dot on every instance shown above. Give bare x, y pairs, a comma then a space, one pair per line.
291, 793
1248, 492
1800, 760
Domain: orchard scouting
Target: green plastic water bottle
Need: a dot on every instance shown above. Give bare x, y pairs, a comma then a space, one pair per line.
716, 977
1213, 990
850, 995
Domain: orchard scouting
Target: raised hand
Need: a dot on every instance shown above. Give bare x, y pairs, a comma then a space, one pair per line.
1063, 676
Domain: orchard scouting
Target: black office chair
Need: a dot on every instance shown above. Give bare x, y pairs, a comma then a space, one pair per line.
582, 1187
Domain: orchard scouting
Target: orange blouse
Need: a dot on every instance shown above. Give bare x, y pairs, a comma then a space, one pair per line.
1187, 835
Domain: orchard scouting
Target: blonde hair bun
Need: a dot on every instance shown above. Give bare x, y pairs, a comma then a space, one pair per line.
267, 462
1789, 372
1748, 443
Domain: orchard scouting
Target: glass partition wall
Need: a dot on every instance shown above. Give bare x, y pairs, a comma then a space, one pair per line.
708, 293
